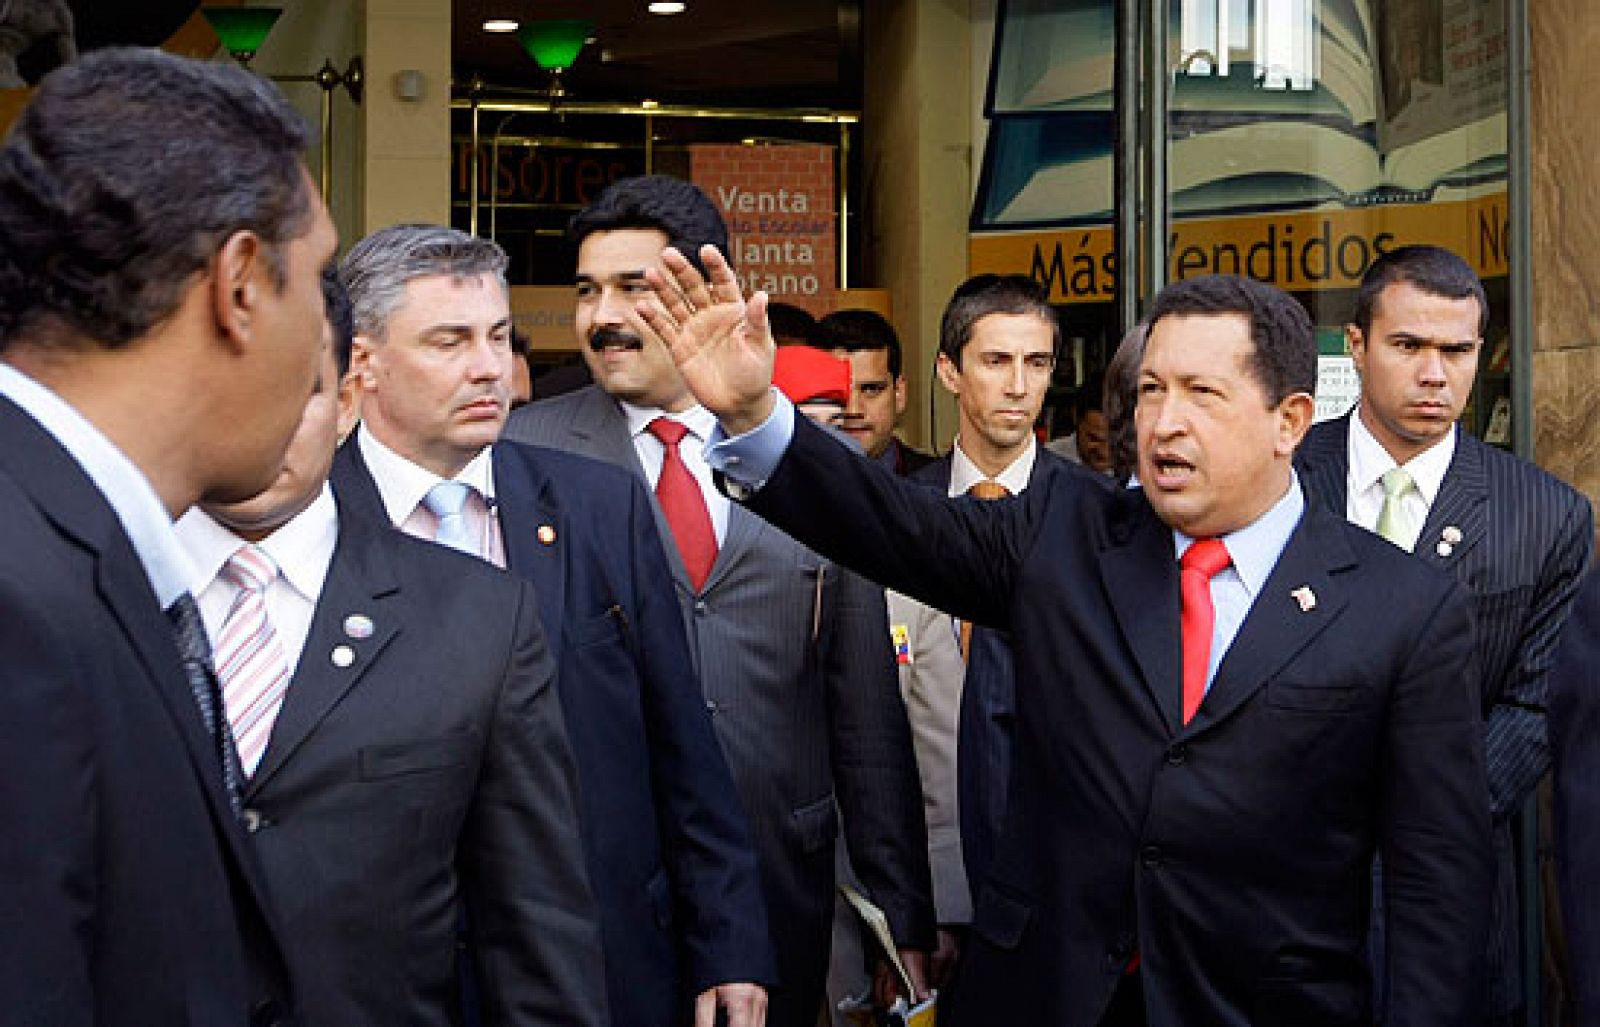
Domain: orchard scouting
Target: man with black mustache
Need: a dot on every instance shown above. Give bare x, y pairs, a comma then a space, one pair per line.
682, 920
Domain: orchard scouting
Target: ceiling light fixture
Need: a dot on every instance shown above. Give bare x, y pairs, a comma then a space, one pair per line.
667, 7
501, 25
242, 30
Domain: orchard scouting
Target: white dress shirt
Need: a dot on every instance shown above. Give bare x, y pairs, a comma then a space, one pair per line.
403, 485
964, 473
144, 517
653, 453
1369, 462
302, 549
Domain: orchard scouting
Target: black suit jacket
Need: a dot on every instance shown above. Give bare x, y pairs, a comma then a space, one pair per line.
1575, 737
127, 891
668, 848
432, 771
795, 659
1233, 853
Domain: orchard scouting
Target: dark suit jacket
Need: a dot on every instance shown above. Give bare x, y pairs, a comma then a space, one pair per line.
1525, 539
1233, 853
127, 891
434, 770
666, 839
795, 660
1575, 738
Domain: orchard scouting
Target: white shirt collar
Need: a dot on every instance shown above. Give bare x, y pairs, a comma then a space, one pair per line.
964, 473
134, 500
1369, 461
402, 484
302, 547
1255, 548
697, 419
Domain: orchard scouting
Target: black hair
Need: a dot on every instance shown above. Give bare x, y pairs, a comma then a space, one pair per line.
1433, 269
857, 330
122, 179
1284, 344
341, 317
982, 295
672, 206
791, 323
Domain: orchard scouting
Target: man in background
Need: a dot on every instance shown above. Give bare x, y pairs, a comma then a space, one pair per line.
1513, 535
877, 384
396, 718
157, 344
1089, 443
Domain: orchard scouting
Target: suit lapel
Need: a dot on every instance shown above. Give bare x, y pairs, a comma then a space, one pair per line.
1324, 465
1279, 623
1462, 504
1141, 578
353, 486
360, 582
530, 513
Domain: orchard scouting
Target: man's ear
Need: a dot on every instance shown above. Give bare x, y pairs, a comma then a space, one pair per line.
236, 285
1295, 415
1356, 344
949, 374
899, 394
349, 405
362, 372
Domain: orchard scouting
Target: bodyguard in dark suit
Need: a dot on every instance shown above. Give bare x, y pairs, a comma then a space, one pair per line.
1514, 536
395, 709
1204, 769
1575, 745
128, 894
669, 854
793, 653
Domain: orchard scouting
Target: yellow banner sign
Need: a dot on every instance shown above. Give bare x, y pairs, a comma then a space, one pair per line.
1296, 251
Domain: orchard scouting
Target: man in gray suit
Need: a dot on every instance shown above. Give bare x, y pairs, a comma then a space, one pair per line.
1517, 538
793, 651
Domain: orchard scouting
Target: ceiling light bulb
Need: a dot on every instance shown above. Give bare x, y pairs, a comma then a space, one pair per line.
667, 7
500, 25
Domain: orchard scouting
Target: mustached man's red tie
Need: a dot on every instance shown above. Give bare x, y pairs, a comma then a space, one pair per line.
684, 505
1202, 561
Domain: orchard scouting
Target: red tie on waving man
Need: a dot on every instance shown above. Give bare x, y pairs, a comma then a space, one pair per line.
1201, 562
684, 505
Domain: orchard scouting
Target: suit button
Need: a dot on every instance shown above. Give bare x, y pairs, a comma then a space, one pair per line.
266, 1012
699, 606
1178, 755
712, 707
253, 820
1151, 856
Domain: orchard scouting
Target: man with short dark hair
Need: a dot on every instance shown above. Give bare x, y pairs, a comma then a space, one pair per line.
669, 853
138, 313
1514, 536
877, 384
1226, 700
792, 651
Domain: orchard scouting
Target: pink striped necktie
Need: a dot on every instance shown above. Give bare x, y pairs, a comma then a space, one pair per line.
250, 657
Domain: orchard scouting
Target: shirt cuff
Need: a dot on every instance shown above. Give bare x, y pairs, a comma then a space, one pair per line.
746, 462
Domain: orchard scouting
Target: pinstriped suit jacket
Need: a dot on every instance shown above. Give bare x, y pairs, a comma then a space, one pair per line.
794, 658
1525, 540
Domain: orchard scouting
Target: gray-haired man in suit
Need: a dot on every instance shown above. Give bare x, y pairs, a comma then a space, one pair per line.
793, 652
1517, 538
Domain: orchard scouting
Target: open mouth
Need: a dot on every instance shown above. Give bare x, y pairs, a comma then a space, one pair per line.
1172, 471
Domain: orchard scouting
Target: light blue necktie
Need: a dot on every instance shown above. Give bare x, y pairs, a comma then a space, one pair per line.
448, 501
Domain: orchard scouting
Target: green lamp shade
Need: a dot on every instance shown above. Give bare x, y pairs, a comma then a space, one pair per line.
242, 29
555, 43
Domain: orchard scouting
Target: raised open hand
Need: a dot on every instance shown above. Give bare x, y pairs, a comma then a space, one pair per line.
721, 343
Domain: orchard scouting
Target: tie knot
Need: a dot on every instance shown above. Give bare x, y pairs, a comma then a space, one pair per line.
670, 432
1206, 556
447, 498
988, 488
250, 569
1397, 481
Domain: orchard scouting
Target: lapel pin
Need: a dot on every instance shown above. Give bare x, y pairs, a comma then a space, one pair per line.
1444, 549
342, 656
358, 626
1451, 534
1306, 598
546, 534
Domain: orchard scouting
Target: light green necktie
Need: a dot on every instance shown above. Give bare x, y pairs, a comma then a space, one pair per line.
1394, 520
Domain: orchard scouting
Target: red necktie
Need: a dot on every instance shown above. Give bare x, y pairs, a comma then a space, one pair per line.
684, 505
1201, 562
